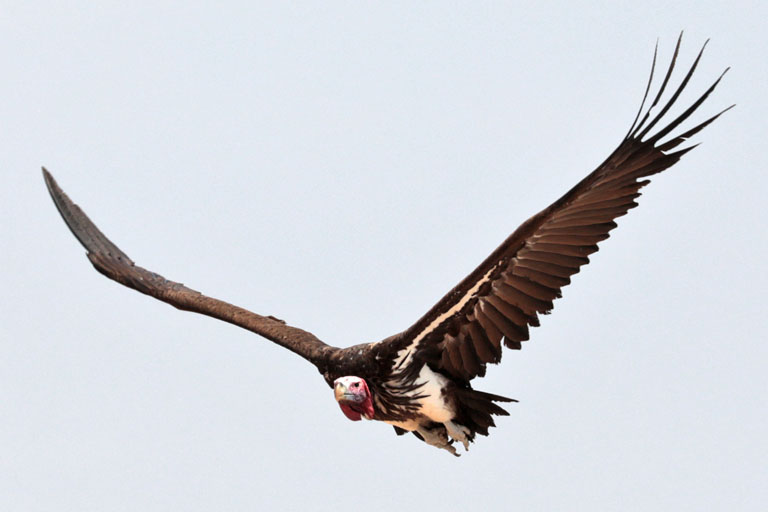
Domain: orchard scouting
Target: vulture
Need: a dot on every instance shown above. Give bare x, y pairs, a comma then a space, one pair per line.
420, 380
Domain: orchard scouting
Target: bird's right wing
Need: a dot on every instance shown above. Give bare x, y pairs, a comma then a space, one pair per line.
108, 259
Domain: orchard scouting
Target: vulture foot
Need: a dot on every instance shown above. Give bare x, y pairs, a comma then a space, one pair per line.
458, 433
439, 438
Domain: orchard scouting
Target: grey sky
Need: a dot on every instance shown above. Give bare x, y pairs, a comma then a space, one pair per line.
341, 166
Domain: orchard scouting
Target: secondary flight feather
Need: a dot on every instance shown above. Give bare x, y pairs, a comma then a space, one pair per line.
419, 380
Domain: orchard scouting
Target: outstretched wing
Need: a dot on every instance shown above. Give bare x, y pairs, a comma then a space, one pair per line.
502, 297
108, 259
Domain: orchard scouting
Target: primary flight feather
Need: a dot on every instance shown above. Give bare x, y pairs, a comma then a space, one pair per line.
419, 380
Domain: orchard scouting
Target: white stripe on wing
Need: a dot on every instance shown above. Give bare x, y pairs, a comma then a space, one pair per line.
404, 355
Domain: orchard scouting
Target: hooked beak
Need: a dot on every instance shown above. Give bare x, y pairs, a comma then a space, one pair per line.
342, 393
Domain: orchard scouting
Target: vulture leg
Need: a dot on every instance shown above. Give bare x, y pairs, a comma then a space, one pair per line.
458, 433
437, 437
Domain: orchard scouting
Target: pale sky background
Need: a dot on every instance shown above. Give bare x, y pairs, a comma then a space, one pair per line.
342, 165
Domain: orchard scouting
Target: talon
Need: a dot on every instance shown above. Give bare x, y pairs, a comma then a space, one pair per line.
458, 433
438, 437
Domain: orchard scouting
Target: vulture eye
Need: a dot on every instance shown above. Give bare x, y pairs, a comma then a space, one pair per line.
356, 385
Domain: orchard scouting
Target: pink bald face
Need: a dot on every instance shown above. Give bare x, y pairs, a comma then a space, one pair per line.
354, 398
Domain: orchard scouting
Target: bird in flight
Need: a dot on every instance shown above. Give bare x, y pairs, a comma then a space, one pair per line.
419, 380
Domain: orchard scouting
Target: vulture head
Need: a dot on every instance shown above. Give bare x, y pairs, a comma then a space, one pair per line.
354, 397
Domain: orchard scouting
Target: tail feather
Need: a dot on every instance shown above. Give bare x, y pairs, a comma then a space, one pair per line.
477, 408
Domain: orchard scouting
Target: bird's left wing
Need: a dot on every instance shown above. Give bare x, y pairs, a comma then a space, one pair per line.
502, 297
108, 259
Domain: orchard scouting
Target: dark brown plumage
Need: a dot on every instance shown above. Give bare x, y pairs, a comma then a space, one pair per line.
528, 270
419, 379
